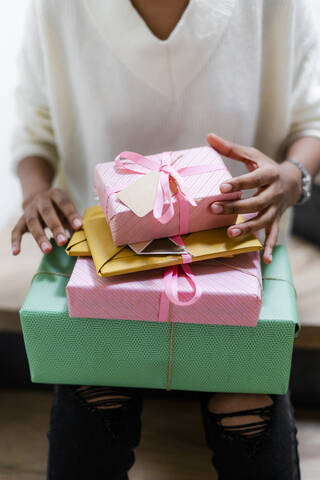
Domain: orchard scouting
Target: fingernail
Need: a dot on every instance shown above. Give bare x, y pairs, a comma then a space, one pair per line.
77, 223
225, 187
61, 239
216, 208
235, 232
15, 249
45, 247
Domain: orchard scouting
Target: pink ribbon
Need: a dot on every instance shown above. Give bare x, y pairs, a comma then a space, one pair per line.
132, 162
170, 291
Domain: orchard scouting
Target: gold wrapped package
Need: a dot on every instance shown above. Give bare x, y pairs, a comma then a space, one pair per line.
95, 240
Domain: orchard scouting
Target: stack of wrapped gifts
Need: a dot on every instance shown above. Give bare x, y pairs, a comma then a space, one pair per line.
153, 293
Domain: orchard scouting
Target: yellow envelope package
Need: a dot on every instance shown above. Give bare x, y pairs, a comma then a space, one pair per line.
95, 240
78, 245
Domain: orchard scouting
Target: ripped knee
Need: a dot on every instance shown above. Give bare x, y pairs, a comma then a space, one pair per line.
103, 398
247, 415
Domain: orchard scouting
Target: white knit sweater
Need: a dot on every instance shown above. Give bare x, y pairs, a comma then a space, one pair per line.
96, 81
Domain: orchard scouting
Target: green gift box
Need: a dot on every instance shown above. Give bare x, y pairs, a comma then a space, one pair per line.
181, 356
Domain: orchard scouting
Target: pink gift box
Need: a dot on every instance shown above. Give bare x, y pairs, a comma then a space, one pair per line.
231, 293
126, 227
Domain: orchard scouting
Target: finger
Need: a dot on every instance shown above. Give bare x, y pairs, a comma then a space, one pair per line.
36, 230
232, 150
16, 235
272, 232
67, 208
265, 175
258, 222
51, 220
249, 205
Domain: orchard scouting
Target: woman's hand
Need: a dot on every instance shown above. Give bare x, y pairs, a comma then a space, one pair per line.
278, 186
53, 209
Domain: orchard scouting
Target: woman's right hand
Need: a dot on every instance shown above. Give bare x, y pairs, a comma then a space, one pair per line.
53, 209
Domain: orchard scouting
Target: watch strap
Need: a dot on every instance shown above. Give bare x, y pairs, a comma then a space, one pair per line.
306, 181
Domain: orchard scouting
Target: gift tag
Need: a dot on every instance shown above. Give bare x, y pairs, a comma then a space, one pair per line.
141, 195
160, 246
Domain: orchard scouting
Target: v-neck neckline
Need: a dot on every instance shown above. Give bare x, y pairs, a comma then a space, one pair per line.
169, 65
148, 30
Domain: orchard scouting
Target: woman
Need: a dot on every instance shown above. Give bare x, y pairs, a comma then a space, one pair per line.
148, 75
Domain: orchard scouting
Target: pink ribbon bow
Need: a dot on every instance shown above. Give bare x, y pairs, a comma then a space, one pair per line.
170, 292
132, 162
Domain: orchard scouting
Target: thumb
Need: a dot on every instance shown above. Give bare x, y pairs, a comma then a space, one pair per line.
230, 149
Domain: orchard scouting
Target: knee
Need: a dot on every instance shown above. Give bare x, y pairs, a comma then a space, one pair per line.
103, 398
119, 410
246, 414
230, 402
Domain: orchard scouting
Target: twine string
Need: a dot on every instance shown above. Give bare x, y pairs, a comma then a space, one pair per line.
282, 280
44, 272
233, 267
169, 375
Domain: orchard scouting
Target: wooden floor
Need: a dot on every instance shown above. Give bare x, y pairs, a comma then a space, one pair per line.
172, 445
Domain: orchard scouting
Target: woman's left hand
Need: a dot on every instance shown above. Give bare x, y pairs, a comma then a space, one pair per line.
278, 186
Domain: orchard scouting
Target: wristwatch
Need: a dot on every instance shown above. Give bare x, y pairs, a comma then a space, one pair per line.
306, 182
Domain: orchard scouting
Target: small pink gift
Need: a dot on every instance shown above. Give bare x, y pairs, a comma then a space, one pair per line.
162, 195
221, 291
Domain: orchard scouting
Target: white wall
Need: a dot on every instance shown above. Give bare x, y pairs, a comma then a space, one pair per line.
316, 5
11, 25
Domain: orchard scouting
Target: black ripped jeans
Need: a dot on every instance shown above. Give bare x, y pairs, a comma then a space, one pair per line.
94, 431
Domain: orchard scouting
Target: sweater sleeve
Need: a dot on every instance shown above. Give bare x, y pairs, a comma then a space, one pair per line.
305, 97
34, 133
